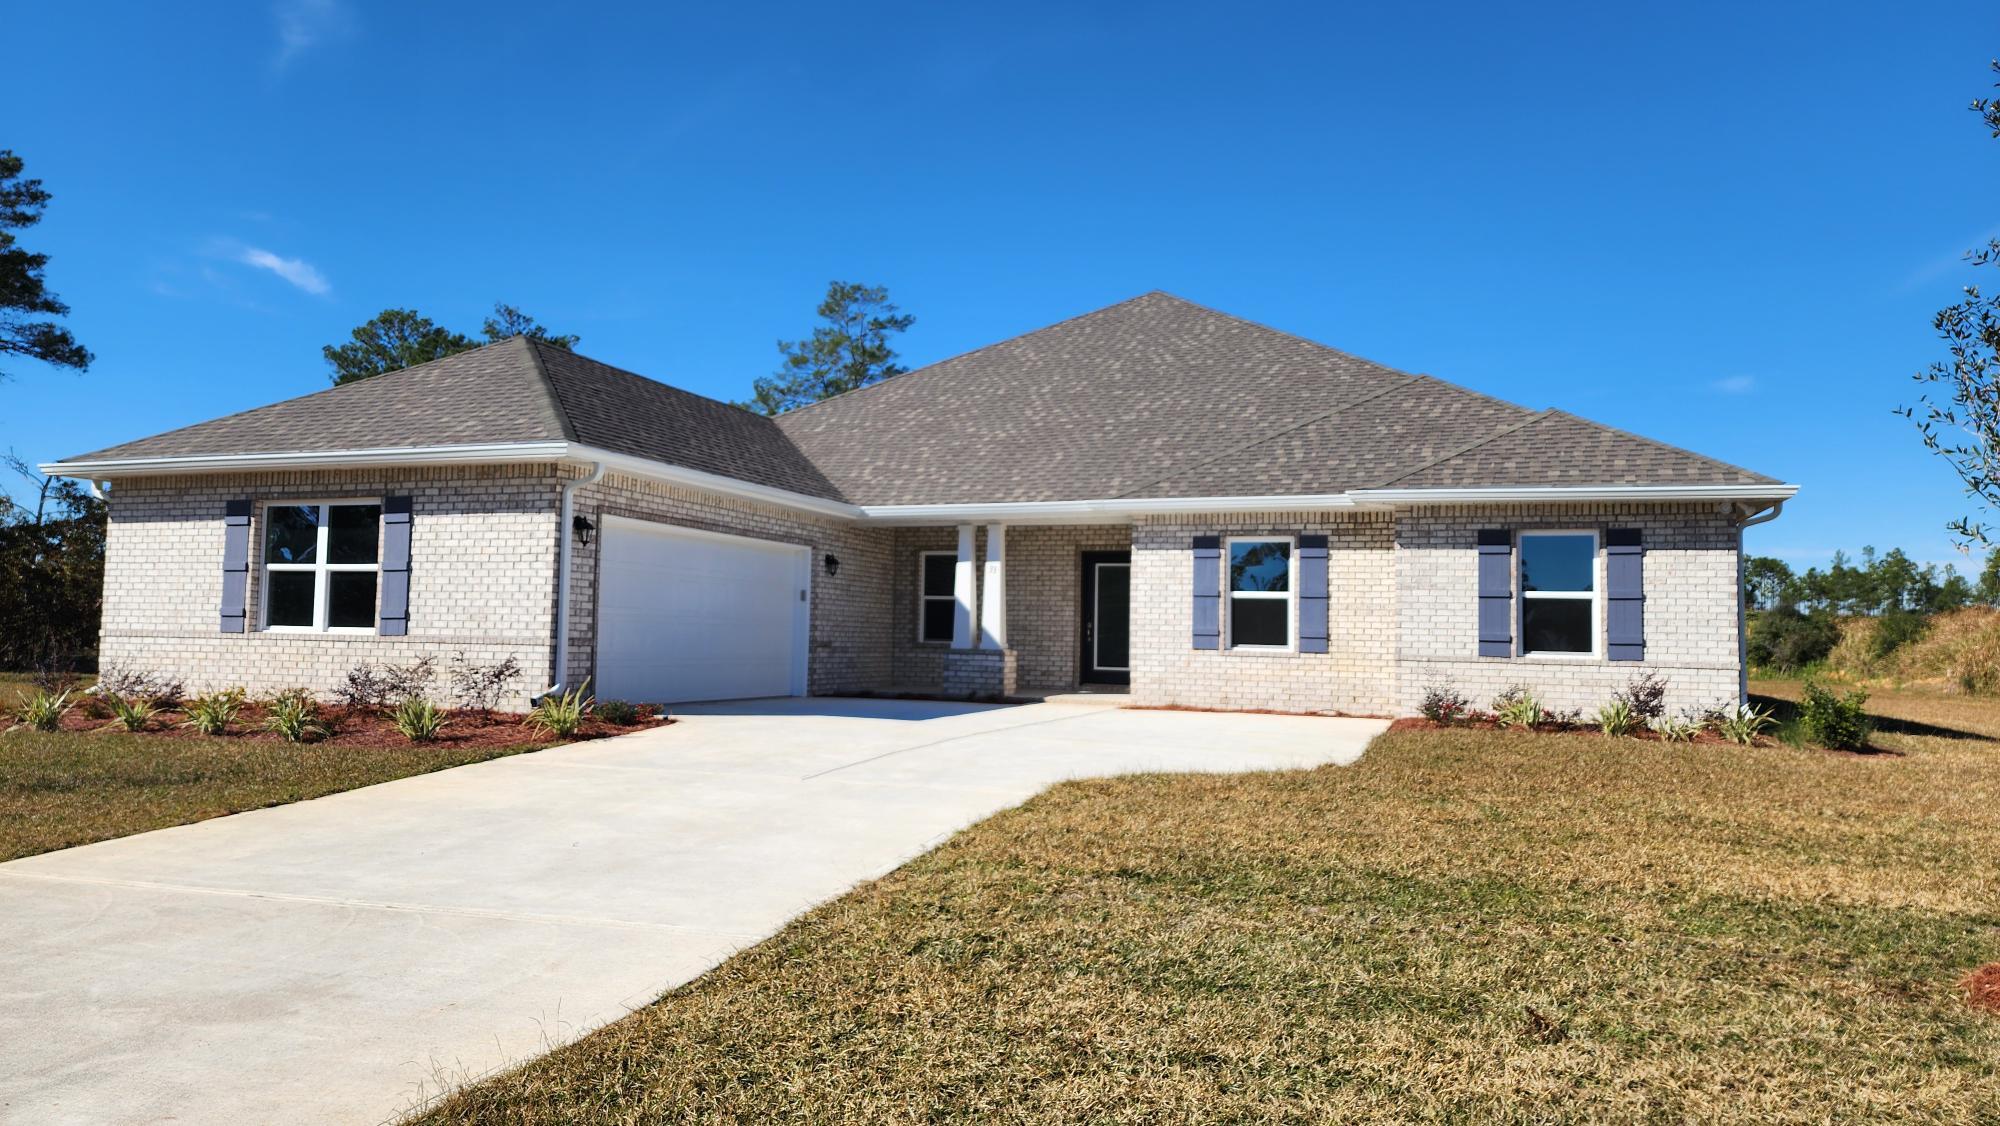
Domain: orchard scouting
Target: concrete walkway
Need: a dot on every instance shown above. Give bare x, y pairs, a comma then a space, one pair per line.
338, 959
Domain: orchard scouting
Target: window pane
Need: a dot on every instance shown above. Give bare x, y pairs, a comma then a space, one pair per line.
938, 613
291, 534
1260, 566
938, 573
352, 531
1556, 562
291, 598
1555, 625
350, 599
1259, 621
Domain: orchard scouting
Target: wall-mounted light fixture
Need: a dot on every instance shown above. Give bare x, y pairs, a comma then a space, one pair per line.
583, 527
832, 565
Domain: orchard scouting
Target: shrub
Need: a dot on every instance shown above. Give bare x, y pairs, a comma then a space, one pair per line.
1961, 648
1616, 719
158, 689
1646, 697
1837, 722
371, 687
294, 715
560, 716
1787, 640
418, 719
1444, 704
212, 714
1679, 728
1517, 707
1742, 723
1897, 629
624, 713
44, 710
134, 712
479, 686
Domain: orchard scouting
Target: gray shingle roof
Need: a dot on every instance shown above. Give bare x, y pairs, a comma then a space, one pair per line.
1152, 397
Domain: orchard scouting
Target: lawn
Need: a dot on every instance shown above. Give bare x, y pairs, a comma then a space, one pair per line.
65, 788
1464, 925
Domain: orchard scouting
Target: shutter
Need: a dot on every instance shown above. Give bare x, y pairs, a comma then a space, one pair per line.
1624, 595
1496, 593
394, 618
1208, 592
235, 563
1312, 594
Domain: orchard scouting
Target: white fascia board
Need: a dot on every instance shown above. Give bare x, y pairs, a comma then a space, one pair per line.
712, 482
484, 454
1093, 511
1558, 494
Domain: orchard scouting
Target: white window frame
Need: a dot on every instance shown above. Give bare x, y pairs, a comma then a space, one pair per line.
923, 558
320, 567
1594, 595
1290, 595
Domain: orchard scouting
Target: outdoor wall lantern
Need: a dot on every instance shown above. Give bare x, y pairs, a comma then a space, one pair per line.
832, 565
583, 528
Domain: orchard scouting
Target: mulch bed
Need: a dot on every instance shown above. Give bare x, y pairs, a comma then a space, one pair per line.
1488, 723
365, 730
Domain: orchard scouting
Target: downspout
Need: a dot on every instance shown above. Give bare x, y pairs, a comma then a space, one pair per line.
1742, 628
565, 513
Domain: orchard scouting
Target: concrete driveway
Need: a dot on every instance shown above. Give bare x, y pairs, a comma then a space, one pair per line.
337, 960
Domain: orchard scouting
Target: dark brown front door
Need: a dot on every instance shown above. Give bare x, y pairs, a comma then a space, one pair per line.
1106, 656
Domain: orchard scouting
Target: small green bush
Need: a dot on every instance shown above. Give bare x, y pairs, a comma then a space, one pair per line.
418, 719
1742, 723
1517, 707
1897, 629
1616, 718
561, 716
1680, 728
1444, 704
212, 714
1787, 640
44, 710
134, 712
624, 713
294, 715
1834, 721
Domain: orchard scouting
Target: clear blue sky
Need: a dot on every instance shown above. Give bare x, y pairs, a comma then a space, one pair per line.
1722, 225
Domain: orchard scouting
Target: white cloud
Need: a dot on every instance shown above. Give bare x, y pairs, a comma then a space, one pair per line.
298, 271
305, 24
1735, 384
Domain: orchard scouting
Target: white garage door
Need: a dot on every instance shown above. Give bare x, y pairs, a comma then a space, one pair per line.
685, 615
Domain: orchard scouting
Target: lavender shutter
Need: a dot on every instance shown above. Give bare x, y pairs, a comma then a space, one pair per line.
1312, 594
1496, 593
394, 618
235, 563
1208, 592
1624, 595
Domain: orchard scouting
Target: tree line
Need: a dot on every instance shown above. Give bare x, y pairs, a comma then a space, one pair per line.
1876, 586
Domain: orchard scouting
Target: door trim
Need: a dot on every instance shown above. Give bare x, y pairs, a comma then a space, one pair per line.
1088, 671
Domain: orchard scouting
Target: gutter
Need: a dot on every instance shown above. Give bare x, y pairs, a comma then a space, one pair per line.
565, 512
1556, 494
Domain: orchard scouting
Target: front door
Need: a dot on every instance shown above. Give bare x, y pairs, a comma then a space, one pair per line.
1107, 618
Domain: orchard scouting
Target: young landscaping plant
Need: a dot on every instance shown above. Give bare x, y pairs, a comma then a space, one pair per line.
1838, 723
1517, 707
560, 716
1444, 704
418, 719
135, 712
624, 713
44, 710
1742, 723
212, 714
1615, 718
1675, 728
295, 717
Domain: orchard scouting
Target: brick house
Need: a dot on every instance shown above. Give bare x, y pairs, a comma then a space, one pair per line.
1154, 497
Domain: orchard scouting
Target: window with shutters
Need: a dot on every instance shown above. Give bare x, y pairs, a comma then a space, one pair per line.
322, 563
1558, 594
1261, 609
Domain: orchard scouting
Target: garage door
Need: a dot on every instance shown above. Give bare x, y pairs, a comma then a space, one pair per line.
685, 615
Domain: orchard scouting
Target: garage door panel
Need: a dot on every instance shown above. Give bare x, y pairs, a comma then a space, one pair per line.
686, 616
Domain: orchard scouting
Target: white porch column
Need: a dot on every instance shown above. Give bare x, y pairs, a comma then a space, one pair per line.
993, 611
964, 592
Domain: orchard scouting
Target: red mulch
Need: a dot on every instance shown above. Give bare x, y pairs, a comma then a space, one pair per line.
1982, 987
1488, 723
363, 730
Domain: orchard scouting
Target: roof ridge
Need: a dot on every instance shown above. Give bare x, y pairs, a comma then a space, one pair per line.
981, 348
1538, 416
548, 382
1280, 432
1668, 446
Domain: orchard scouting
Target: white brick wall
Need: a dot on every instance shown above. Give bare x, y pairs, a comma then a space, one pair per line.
482, 576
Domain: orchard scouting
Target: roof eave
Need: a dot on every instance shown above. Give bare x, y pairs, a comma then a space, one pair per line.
1558, 494
491, 453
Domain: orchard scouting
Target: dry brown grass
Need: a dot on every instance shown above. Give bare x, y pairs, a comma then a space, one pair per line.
1464, 926
1960, 652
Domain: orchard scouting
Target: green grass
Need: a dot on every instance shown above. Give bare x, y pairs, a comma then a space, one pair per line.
61, 789
1463, 926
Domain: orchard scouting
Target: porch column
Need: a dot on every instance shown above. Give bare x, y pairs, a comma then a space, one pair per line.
993, 611
964, 592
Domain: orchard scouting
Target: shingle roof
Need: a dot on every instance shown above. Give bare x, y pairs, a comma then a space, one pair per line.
1152, 397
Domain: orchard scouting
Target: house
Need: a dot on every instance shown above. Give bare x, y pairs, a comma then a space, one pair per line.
1156, 495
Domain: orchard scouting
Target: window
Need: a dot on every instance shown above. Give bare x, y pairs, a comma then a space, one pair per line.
320, 565
1559, 593
1260, 593
937, 604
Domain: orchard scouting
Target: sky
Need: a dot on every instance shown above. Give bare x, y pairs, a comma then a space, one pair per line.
1722, 225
